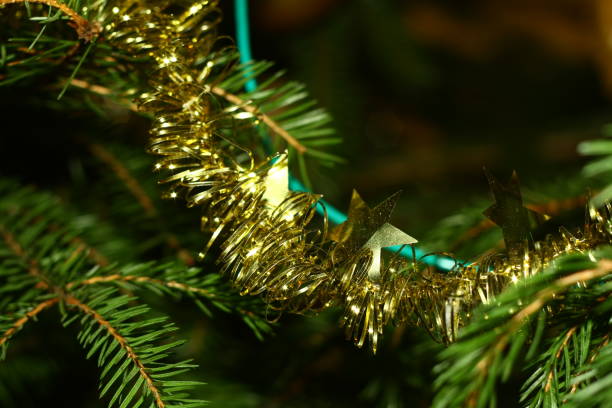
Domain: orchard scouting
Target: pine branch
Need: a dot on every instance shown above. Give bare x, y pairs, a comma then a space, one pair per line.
105, 92
37, 217
31, 265
596, 380
43, 264
123, 325
11, 324
599, 169
573, 290
284, 110
134, 187
271, 123
178, 281
28, 54
124, 175
86, 30
31, 220
138, 349
21, 286
558, 365
129, 201
128, 232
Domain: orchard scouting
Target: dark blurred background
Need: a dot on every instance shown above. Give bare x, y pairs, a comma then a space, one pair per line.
426, 93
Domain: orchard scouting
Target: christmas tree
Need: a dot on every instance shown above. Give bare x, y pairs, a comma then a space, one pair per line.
162, 234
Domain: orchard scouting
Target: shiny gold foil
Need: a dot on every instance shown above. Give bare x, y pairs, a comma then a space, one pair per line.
270, 243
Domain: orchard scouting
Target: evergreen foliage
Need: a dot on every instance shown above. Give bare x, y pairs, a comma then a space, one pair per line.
108, 257
551, 325
601, 167
131, 343
288, 106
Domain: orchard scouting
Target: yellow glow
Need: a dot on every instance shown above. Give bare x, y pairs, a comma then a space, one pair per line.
252, 251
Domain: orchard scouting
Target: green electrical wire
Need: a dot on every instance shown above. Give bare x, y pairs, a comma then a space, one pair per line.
334, 215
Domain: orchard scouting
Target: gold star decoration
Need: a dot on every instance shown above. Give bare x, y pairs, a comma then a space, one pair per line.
370, 228
508, 212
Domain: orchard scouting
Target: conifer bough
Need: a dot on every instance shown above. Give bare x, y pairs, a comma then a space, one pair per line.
205, 130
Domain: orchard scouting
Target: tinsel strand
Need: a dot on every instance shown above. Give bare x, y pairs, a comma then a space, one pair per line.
270, 242
272, 248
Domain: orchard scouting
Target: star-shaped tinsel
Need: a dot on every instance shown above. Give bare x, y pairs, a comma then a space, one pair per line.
369, 228
508, 212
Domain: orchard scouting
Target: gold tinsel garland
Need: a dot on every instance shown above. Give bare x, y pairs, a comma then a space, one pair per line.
270, 242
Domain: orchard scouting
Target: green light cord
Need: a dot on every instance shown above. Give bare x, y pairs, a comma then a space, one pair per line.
334, 215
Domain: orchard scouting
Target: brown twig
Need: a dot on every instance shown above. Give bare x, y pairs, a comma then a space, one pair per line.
85, 29
71, 300
103, 91
71, 52
145, 279
28, 316
275, 127
11, 242
33, 269
124, 175
140, 279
